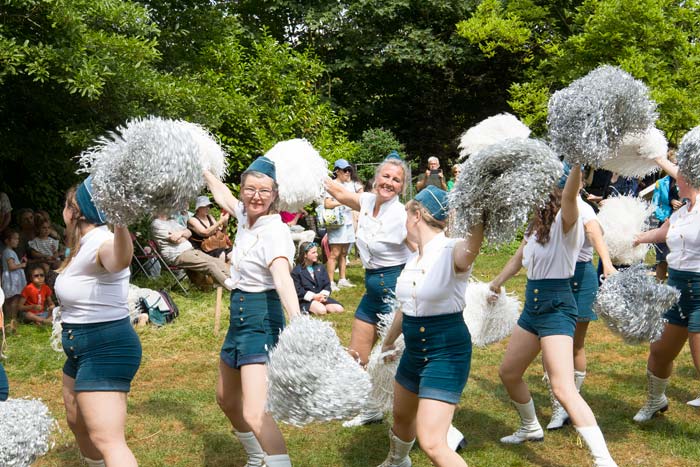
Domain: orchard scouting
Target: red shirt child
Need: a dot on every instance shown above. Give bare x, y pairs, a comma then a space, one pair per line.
36, 296
36, 302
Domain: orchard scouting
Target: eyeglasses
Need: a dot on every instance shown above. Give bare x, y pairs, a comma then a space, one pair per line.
37, 275
250, 192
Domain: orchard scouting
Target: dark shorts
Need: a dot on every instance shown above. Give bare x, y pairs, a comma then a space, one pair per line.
4, 385
256, 322
687, 312
304, 305
101, 356
662, 251
584, 286
437, 358
550, 308
380, 285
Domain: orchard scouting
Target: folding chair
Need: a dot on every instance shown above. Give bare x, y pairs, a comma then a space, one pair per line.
142, 255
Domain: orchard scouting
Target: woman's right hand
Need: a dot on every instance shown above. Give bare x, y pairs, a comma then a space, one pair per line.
390, 351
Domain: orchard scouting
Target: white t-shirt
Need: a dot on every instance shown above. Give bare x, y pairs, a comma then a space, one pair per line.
381, 240
255, 248
431, 286
587, 214
87, 291
47, 246
162, 229
683, 239
557, 258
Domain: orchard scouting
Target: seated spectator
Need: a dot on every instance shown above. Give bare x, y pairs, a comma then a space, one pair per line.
299, 233
208, 234
172, 240
13, 279
43, 247
312, 283
27, 230
36, 305
55, 231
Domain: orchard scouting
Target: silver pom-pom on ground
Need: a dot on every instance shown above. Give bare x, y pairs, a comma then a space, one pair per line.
500, 185
381, 371
150, 165
489, 322
635, 156
632, 304
688, 157
588, 119
311, 377
489, 131
300, 173
621, 218
25, 431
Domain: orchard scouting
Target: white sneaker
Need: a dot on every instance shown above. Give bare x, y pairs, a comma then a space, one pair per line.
524, 434
694, 402
343, 283
559, 416
651, 408
365, 418
334, 288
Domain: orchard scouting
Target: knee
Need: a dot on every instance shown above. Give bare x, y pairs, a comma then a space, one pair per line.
227, 404
253, 416
430, 444
507, 375
564, 390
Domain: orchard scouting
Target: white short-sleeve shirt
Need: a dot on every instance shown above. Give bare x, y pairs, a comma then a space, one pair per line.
587, 214
381, 240
557, 258
430, 285
256, 247
683, 239
162, 230
87, 291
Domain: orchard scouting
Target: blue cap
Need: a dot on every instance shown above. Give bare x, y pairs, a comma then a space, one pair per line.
341, 164
563, 178
263, 165
83, 196
435, 201
393, 155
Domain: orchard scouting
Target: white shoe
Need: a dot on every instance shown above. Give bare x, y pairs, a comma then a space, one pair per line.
366, 417
656, 398
343, 283
455, 439
694, 402
334, 288
559, 417
398, 452
524, 434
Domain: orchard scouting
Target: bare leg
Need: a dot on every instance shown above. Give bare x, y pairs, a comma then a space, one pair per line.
76, 422
664, 351
317, 308
433, 420
579, 346
254, 385
342, 260
363, 337
522, 349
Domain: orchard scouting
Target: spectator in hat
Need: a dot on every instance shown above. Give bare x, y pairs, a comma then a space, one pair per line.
203, 226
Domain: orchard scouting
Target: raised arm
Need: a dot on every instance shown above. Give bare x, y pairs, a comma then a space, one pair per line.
466, 250
595, 235
569, 198
115, 254
343, 196
285, 286
514, 264
667, 166
221, 193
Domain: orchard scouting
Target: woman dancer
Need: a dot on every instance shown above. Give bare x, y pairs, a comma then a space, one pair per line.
681, 232
435, 364
103, 351
260, 264
584, 285
549, 251
381, 241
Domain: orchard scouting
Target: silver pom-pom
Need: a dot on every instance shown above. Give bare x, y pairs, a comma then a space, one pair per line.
588, 119
501, 185
311, 377
211, 156
688, 157
489, 131
635, 157
148, 166
381, 372
25, 431
300, 173
632, 304
489, 322
621, 218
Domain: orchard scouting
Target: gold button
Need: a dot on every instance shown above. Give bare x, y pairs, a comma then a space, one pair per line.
381, 275
575, 283
241, 319
536, 291
71, 349
71, 337
425, 359
534, 299
241, 298
422, 340
425, 350
382, 283
422, 329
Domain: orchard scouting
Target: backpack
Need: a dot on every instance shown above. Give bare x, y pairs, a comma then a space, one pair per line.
160, 311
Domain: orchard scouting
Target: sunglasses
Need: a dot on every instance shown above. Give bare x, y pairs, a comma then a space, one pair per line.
37, 275
347, 170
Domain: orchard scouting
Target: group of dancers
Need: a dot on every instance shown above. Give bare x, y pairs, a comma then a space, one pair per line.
407, 255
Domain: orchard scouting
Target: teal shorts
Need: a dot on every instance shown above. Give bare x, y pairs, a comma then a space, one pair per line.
550, 308
686, 312
380, 287
584, 286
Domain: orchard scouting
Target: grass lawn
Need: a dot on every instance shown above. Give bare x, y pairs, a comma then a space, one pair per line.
174, 419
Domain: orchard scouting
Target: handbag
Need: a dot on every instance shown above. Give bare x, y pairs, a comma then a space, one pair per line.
333, 218
219, 240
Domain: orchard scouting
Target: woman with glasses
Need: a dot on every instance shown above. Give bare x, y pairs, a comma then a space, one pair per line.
261, 261
312, 283
340, 237
102, 349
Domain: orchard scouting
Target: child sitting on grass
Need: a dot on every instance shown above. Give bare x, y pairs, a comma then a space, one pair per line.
36, 305
312, 283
